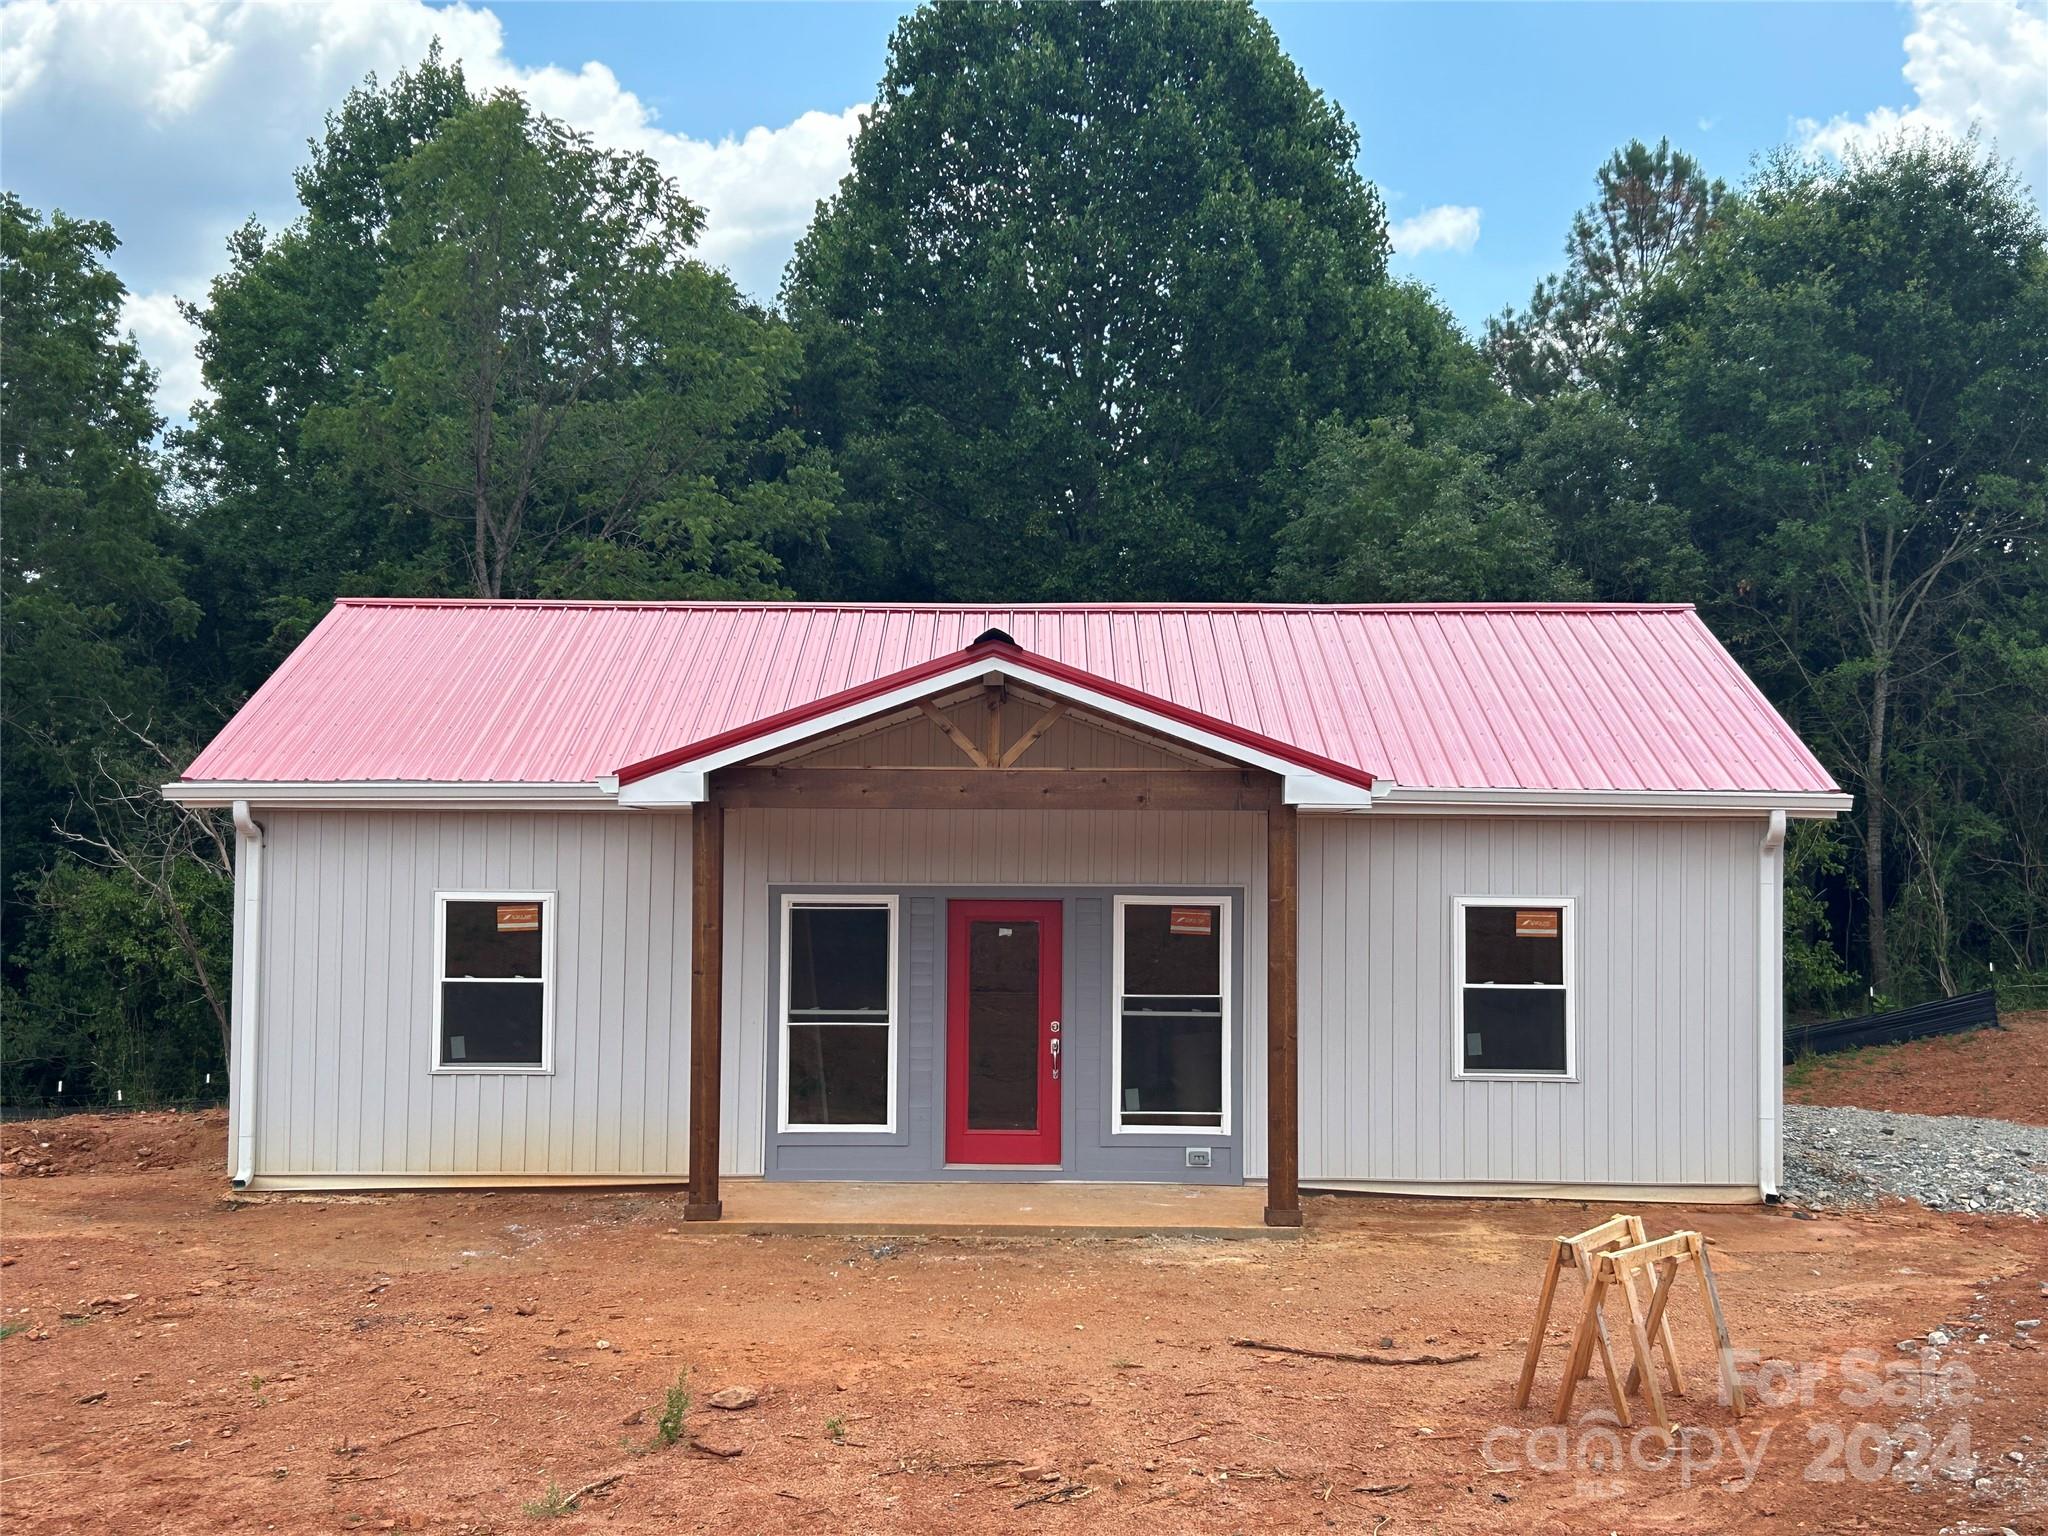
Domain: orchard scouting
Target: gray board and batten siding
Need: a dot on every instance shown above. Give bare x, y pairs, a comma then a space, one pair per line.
1666, 1004
1665, 929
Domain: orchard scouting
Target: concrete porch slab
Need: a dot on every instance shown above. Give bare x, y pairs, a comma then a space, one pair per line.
816, 1208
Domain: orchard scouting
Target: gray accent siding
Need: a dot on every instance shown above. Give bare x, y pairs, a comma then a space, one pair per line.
1090, 1147
976, 853
344, 1046
1666, 1005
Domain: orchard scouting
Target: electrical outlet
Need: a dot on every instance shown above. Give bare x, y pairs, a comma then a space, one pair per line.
1200, 1157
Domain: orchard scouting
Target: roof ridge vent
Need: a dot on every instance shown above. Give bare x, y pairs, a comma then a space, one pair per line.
994, 634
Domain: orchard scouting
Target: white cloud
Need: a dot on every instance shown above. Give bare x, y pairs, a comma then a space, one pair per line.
177, 121
1981, 63
168, 340
1446, 227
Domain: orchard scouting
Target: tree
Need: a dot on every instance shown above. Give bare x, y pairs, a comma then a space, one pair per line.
91, 594
1383, 519
1852, 395
550, 371
1095, 273
94, 624
1588, 463
483, 360
286, 330
1655, 206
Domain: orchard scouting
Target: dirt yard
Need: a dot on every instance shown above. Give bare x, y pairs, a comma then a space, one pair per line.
178, 1360
2001, 1074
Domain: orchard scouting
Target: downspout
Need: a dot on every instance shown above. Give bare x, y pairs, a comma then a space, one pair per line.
248, 983
1770, 1003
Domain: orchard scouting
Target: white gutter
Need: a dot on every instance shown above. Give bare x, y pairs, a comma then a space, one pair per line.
248, 983
1770, 1003
1396, 799
393, 794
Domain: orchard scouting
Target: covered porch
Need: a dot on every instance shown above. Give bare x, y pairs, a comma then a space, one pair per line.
986, 769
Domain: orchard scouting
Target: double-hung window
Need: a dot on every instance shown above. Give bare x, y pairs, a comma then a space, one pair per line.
1514, 987
493, 981
839, 1022
1171, 1054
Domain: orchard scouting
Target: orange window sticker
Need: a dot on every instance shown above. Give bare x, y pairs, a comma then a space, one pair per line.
1198, 921
519, 917
1537, 923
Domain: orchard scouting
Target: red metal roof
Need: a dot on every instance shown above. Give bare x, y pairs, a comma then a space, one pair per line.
1471, 696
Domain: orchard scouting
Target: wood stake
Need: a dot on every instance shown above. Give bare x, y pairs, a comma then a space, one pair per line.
1356, 1358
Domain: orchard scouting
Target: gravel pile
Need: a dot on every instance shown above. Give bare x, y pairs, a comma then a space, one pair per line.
1843, 1157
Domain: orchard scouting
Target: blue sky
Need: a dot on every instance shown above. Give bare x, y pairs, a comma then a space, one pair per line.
1503, 107
1482, 123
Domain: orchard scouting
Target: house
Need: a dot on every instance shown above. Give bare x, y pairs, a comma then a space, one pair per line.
1454, 899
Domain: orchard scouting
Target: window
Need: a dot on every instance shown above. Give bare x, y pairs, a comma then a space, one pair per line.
493, 977
1171, 1053
1514, 987
839, 1013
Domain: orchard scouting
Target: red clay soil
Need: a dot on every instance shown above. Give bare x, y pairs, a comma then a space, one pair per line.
2000, 1074
180, 1359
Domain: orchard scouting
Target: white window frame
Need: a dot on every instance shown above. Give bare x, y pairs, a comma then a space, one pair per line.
1224, 906
545, 900
1568, 917
790, 902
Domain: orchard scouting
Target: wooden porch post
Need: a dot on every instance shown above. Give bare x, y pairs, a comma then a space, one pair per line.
1283, 1070
707, 976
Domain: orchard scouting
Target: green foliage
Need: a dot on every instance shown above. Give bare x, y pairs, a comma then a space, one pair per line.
1096, 272
286, 525
556, 395
1849, 391
1101, 311
1815, 977
553, 1503
668, 1429
101, 983
108, 997
1654, 208
1383, 519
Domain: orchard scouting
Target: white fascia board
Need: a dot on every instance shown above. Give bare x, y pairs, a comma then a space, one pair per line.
1393, 799
390, 795
684, 784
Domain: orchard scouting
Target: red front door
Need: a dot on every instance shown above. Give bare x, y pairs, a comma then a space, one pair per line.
1003, 1032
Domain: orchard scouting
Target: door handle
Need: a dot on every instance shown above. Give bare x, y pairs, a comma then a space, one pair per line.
1055, 1052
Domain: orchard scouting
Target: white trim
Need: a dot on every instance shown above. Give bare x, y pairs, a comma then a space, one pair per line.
1770, 1002
1314, 793
894, 1025
1396, 799
287, 1183
1569, 938
546, 1065
683, 784
390, 794
1673, 1194
1224, 905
